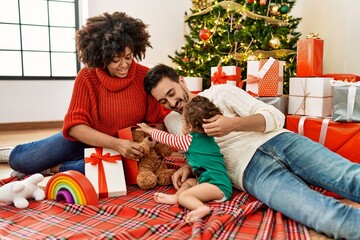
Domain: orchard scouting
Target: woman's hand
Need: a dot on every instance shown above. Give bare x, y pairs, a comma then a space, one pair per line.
129, 149
180, 176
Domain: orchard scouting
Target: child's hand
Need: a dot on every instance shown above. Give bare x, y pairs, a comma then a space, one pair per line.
146, 128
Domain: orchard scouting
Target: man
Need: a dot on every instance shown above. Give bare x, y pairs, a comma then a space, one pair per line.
265, 160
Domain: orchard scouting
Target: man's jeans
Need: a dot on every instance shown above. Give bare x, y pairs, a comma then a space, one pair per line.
40, 155
280, 171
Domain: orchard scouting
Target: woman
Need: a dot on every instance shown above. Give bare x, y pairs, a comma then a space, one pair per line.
108, 95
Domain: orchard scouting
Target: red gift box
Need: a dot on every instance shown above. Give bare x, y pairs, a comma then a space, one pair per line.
346, 77
130, 165
341, 138
310, 53
265, 77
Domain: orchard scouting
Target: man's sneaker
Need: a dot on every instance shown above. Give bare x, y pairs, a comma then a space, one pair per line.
20, 175
5, 154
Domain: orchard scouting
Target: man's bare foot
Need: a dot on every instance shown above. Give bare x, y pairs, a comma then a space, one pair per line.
165, 198
197, 214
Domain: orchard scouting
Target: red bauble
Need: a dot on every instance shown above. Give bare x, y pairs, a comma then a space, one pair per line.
250, 1
204, 34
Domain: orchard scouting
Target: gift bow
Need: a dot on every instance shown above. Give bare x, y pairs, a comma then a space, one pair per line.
97, 158
313, 35
220, 77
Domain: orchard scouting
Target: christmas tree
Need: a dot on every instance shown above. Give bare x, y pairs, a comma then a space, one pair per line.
230, 33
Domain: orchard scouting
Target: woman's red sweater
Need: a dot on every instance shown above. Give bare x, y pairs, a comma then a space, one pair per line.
108, 104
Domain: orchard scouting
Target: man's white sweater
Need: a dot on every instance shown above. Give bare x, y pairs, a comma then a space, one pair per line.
238, 147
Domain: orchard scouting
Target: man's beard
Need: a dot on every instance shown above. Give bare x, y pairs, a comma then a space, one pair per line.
184, 99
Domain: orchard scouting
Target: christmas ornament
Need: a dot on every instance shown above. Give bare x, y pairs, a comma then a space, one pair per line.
252, 58
204, 34
250, 1
275, 10
274, 43
284, 9
186, 59
262, 2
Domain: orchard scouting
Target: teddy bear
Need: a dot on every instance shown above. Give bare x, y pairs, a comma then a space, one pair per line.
152, 167
17, 192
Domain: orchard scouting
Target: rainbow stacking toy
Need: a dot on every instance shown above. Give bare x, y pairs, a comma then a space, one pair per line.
71, 187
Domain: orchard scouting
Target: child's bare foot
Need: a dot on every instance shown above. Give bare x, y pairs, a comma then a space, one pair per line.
165, 198
197, 214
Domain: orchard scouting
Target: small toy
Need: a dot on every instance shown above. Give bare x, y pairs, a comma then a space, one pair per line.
71, 187
152, 168
18, 192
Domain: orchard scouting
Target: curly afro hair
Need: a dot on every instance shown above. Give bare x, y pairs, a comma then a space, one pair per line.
104, 36
197, 109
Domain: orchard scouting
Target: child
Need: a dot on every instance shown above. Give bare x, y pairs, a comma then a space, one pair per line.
212, 181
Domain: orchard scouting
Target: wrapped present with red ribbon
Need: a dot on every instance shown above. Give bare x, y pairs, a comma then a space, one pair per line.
265, 77
226, 75
104, 169
342, 138
310, 53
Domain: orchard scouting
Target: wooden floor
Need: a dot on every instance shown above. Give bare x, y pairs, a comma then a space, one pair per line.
12, 138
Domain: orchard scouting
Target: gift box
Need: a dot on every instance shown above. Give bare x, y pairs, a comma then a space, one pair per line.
310, 96
265, 77
130, 165
341, 138
194, 84
346, 101
280, 102
104, 169
346, 77
310, 53
226, 75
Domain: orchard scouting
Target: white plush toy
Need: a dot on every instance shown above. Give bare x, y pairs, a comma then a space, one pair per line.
17, 192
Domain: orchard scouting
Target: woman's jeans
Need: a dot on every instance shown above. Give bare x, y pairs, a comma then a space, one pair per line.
280, 171
40, 155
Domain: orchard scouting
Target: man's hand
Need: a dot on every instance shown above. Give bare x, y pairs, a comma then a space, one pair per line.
218, 126
180, 176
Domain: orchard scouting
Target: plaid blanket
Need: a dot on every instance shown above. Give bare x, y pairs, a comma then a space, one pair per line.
138, 216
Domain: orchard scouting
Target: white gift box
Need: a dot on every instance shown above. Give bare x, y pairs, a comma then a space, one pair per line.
253, 69
194, 84
226, 75
310, 96
105, 171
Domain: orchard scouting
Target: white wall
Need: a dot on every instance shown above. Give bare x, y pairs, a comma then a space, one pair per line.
335, 21
33, 101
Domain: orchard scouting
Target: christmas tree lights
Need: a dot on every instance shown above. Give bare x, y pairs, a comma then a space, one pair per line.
230, 33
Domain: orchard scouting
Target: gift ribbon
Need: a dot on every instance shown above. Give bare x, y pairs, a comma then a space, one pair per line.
97, 158
305, 96
220, 77
324, 127
350, 105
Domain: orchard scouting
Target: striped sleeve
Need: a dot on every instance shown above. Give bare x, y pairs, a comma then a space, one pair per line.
179, 141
